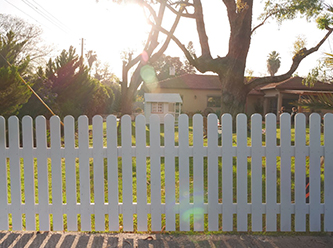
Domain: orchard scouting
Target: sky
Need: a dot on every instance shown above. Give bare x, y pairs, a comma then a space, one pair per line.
109, 29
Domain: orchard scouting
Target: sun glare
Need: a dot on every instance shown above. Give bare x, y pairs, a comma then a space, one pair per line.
114, 28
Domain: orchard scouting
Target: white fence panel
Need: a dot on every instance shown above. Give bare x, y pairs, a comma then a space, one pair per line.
70, 173
112, 163
62, 170
285, 173
126, 143
98, 173
43, 187
84, 173
170, 180
227, 173
28, 160
271, 154
241, 130
15, 172
212, 157
184, 168
300, 173
3, 177
141, 172
315, 152
256, 172
328, 182
198, 175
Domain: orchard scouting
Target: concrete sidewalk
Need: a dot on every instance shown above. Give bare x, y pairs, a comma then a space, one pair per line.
127, 240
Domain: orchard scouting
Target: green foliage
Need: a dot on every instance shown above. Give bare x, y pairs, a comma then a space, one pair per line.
13, 92
273, 63
164, 64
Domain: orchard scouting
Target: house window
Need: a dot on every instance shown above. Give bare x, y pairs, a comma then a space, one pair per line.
214, 101
157, 108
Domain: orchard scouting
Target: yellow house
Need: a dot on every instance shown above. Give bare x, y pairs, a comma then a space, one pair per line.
202, 93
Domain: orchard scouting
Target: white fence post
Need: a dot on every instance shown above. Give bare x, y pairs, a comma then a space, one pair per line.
170, 187
256, 172
3, 177
227, 173
126, 155
328, 182
300, 173
29, 184
15, 172
70, 173
198, 176
271, 154
57, 203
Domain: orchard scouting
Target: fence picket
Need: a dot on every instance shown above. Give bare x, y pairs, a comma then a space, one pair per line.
271, 154
328, 182
315, 125
126, 143
155, 172
184, 168
300, 173
170, 188
98, 172
58, 223
43, 195
256, 172
241, 130
84, 172
141, 172
213, 218
15, 174
227, 173
70, 173
112, 161
3, 177
198, 168
285, 173
29, 186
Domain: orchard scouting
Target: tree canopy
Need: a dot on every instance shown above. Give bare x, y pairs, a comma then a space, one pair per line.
231, 67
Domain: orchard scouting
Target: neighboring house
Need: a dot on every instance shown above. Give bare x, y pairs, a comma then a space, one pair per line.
202, 93
162, 104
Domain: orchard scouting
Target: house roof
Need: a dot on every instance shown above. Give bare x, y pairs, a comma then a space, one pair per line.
212, 82
162, 97
190, 81
295, 83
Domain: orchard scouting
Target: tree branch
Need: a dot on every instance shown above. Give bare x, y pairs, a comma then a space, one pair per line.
296, 61
203, 38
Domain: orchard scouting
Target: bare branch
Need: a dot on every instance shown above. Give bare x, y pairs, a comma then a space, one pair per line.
296, 61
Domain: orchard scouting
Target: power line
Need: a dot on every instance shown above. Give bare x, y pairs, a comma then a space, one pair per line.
32, 90
36, 9
25, 13
50, 14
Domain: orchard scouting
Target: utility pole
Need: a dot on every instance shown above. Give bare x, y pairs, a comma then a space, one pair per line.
82, 44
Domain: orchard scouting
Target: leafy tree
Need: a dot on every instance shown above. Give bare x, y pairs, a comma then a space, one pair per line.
137, 69
273, 63
165, 63
318, 102
231, 67
13, 92
77, 93
30, 35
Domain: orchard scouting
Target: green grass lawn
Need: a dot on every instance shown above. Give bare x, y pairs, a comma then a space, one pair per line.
148, 179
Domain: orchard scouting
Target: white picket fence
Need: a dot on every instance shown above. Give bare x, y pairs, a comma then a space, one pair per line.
238, 191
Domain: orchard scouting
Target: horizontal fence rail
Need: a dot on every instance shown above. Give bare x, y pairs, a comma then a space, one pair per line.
123, 176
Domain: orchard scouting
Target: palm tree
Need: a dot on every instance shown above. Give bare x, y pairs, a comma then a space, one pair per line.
273, 63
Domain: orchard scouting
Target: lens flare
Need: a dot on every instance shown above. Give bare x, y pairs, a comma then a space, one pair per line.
148, 74
144, 56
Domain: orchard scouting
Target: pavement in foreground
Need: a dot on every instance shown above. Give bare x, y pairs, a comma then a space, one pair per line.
82, 240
